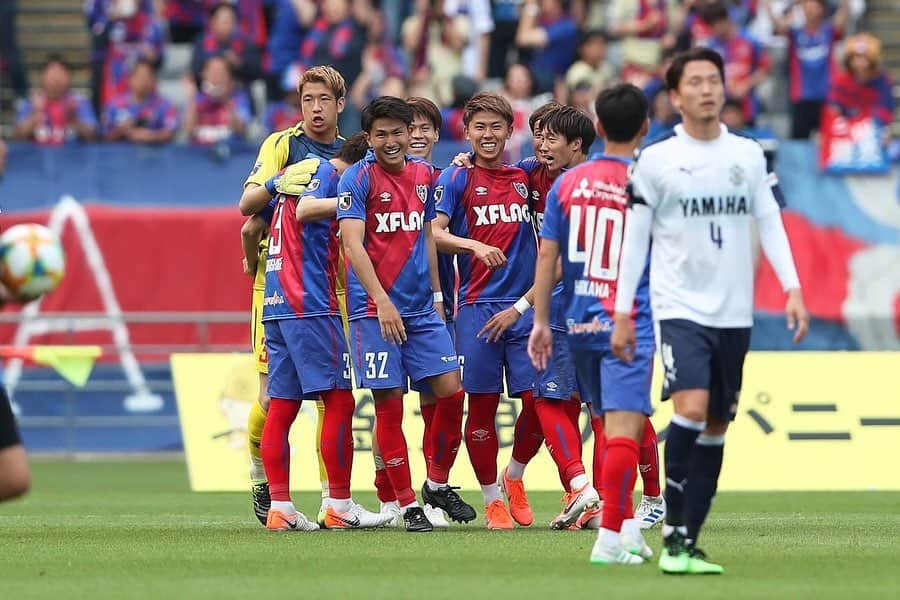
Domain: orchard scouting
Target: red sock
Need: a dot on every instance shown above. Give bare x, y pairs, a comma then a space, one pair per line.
481, 436
392, 442
337, 441
427, 411
446, 436
562, 437
527, 436
275, 449
573, 410
383, 488
619, 475
649, 460
599, 452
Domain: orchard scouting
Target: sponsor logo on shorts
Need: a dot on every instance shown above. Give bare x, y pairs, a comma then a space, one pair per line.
594, 326
668, 361
552, 386
448, 359
274, 300
274, 264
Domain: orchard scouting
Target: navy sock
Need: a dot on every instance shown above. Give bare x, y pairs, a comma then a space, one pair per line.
703, 478
680, 438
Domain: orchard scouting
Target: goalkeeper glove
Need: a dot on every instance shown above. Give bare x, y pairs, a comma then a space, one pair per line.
293, 180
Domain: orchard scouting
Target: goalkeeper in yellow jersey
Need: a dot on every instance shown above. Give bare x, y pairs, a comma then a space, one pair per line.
322, 91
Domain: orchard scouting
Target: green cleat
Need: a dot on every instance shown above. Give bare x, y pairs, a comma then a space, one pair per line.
674, 558
699, 565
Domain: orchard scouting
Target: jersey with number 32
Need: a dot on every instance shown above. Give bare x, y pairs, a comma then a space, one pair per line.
585, 214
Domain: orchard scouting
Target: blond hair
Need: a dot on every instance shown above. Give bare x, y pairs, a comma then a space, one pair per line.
327, 76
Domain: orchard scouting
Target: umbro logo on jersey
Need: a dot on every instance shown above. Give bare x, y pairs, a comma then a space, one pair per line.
344, 200
491, 214
313, 185
481, 191
385, 196
521, 189
394, 221
422, 192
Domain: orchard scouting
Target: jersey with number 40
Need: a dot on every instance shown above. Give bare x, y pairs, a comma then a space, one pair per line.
585, 214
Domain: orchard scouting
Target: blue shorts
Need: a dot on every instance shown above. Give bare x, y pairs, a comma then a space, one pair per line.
610, 384
380, 365
423, 386
483, 363
557, 381
695, 356
306, 356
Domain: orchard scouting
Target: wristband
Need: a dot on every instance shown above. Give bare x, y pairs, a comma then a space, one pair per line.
522, 305
270, 186
437, 297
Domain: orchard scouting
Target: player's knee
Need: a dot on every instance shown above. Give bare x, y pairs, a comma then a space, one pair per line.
15, 483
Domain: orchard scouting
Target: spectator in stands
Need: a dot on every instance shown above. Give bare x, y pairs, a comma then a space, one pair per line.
336, 36
643, 25
747, 64
285, 36
382, 60
219, 111
550, 32
223, 38
9, 49
476, 49
123, 31
452, 116
810, 59
658, 81
505, 15
434, 43
3, 152
663, 116
862, 89
287, 111
140, 115
519, 88
187, 19
55, 114
582, 96
592, 65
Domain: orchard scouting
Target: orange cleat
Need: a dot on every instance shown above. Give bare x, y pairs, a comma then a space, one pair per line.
518, 500
497, 516
279, 521
589, 518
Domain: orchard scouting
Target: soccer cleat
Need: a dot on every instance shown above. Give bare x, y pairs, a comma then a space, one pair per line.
446, 498
589, 518
699, 565
416, 521
392, 508
574, 503
650, 511
497, 516
320, 517
606, 554
633, 541
261, 501
279, 521
436, 516
355, 518
519, 507
674, 559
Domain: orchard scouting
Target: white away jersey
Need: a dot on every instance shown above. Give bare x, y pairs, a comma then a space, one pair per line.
704, 196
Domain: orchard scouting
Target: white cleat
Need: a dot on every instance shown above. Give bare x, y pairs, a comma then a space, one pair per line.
436, 516
392, 510
650, 511
633, 540
608, 550
356, 517
575, 503
279, 521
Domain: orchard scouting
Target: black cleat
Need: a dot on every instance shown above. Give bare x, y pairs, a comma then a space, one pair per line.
449, 501
416, 521
261, 501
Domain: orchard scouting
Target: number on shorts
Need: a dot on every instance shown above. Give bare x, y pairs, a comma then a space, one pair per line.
602, 235
376, 362
275, 233
462, 361
346, 365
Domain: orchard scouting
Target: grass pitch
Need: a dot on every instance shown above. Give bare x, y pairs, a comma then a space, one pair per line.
134, 530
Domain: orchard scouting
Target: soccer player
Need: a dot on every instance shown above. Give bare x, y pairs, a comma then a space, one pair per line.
307, 350
489, 219
322, 91
15, 476
385, 204
583, 225
698, 193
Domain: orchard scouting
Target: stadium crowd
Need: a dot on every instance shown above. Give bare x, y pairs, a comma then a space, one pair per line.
445, 50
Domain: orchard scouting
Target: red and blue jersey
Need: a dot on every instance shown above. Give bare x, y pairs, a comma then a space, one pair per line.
214, 116
810, 61
139, 36
301, 269
490, 206
281, 115
54, 124
586, 212
647, 8
873, 98
396, 208
154, 112
742, 56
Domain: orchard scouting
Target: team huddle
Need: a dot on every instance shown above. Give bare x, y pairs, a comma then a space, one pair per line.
377, 269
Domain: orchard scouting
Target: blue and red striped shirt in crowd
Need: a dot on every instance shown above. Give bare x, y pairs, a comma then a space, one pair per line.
743, 56
810, 60
154, 112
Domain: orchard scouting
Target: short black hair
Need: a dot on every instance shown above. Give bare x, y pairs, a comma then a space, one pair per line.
622, 111
353, 149
541, 112
143, 60
590, 34
572, 124
385, 107
222, 5
424, 107
733, 103
54, 58
714, 13
676, 70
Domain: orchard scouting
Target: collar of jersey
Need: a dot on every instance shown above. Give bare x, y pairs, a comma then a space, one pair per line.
680, 132
601, 156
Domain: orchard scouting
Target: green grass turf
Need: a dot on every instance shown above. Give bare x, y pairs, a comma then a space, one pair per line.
133, 530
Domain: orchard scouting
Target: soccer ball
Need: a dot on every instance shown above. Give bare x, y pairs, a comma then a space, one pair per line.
32, 261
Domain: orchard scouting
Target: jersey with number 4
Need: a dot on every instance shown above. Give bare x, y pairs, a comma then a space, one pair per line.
704, 195
585, 214
396, 208
490, 206
301, 266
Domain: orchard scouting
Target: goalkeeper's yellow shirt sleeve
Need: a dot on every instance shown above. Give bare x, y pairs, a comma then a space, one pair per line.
273, 154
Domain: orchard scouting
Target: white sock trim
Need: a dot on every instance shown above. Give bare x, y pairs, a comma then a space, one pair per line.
515, 470
687, 423
711, 440
491, 492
